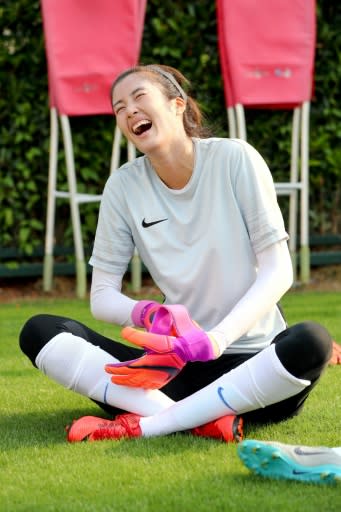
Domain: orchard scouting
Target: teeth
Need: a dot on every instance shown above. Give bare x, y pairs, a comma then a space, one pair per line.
136, 126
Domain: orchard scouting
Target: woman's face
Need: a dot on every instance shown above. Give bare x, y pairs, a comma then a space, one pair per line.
145, 115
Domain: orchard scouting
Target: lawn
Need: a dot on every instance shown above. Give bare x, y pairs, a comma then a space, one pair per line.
40, 471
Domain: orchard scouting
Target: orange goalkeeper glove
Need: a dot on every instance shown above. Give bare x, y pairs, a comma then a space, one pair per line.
166, 354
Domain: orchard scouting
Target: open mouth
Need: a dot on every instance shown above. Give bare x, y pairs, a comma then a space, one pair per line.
141, 127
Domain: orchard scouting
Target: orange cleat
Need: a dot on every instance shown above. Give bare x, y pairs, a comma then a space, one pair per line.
91, 428
336, 354
227, 428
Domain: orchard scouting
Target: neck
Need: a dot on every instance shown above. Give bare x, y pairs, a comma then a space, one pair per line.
175, 165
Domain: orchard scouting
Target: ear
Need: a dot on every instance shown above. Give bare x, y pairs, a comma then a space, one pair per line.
180, 105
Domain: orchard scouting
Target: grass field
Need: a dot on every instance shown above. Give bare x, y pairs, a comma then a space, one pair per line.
40, 471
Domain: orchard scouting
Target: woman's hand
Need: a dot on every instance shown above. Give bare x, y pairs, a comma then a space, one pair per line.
165, 354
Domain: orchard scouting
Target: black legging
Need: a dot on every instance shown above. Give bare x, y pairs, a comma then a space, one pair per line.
304, 350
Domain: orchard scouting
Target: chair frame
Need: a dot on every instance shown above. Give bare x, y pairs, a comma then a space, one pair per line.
75, 200
62, 108
298, 184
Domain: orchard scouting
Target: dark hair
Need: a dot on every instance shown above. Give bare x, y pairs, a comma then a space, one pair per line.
174, 84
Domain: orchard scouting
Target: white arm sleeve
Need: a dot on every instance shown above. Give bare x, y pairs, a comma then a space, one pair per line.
274, 278
107, 303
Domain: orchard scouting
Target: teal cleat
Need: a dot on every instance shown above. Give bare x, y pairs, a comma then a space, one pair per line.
318, 465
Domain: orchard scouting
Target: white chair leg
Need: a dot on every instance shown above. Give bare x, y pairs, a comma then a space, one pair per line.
241, 125
116, 150
293, 198
51, 202
75, 217
231, 119
305, 251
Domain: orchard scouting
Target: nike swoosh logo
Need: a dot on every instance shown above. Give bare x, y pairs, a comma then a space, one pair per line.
148, 224
298, 450
222, 398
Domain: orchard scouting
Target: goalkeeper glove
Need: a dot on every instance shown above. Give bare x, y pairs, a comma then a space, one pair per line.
166, 354
150, 371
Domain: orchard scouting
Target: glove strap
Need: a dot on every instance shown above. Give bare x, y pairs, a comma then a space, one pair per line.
172, 320
195, 345
140, 311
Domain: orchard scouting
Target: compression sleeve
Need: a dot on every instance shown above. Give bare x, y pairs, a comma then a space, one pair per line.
107, 303
274, 278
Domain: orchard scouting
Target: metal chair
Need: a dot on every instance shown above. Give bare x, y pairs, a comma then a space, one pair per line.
267, 51
87, 45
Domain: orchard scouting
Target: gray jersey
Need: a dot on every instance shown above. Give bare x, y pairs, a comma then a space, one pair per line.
199, 243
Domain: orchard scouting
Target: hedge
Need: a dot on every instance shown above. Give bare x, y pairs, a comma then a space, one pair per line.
179, 33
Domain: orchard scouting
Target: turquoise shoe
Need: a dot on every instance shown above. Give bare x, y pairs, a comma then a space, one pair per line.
283, 461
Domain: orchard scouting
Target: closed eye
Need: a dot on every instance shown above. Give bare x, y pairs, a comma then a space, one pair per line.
119, 109
119, 106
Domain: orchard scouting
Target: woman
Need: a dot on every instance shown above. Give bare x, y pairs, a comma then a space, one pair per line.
203, 215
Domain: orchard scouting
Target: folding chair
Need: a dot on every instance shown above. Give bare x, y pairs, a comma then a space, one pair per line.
267, 51
87, 45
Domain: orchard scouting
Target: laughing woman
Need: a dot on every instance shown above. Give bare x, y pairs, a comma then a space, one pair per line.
203, 215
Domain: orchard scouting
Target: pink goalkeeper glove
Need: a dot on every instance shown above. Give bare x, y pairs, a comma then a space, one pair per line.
174, 331
166, 354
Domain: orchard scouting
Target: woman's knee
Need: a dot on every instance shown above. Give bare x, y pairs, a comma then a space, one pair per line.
314, 336
35, 333
304, 347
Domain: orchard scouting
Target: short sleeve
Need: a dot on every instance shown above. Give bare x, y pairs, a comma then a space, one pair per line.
256, 194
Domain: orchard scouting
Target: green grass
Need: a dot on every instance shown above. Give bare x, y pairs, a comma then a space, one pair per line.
40, 471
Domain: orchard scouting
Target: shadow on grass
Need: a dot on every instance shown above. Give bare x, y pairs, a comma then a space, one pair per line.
36, 428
